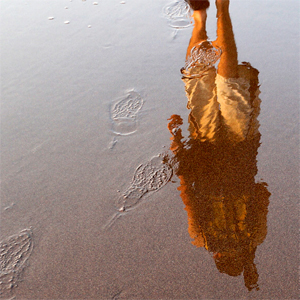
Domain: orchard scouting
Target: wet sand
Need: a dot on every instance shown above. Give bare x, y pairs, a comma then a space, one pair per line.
85, 109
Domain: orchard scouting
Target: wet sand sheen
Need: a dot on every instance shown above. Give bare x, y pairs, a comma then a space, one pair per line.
85, 109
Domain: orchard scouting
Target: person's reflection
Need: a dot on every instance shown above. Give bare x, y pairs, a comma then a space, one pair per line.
227, 209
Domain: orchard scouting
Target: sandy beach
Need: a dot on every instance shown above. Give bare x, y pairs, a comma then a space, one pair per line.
123, 177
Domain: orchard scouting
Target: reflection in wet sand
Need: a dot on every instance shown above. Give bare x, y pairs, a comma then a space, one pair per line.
14, 252
216, 165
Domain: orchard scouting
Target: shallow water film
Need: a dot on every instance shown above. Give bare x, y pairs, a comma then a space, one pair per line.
149, 150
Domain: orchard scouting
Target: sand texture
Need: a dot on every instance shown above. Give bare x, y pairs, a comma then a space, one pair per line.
128, 172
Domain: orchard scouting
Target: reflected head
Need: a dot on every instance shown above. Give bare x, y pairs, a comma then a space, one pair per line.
229, 264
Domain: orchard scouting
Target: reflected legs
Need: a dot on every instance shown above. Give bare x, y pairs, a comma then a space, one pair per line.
225, 40
199, 32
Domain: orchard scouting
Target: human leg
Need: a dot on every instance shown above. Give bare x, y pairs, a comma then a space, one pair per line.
225, 40
199, 31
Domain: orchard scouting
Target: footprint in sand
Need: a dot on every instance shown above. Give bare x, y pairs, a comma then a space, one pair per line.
202, 57
148, 177
179, 14
14, 252
124, 114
